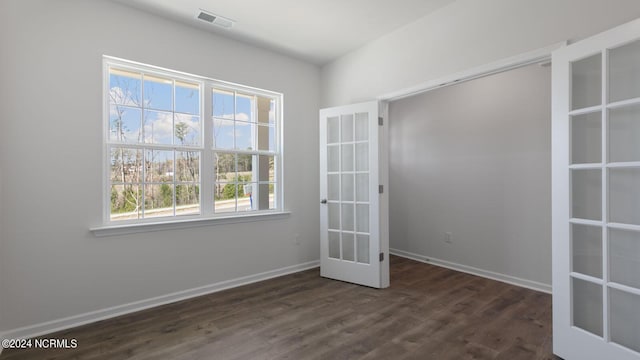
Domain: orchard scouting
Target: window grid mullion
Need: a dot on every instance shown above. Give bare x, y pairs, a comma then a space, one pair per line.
206, 151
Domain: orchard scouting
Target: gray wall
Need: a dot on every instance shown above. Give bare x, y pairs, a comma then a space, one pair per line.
462, 36
474, 159
51, 266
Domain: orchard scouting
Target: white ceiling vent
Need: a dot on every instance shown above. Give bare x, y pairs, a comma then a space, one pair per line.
215, 19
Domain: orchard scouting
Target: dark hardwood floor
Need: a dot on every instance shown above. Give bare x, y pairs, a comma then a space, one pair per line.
428, 313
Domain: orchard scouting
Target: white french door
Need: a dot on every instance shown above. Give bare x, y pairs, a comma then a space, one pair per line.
596, 197
350, 246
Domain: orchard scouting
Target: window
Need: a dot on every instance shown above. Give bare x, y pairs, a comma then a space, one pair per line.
184, 146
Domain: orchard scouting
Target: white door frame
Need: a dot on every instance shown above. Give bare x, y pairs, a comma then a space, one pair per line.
532, 57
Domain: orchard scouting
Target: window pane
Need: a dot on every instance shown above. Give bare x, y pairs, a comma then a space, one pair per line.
188, 166
362, 187
245, 134
266, 111
223, 134
362, 157
363, 248
126, 165
586, 82
225, 197
246, 167
362, 218
346, 123
586, 249
187, 130
187, 199
272, 196
624, 130
124, 124
267, 167
225, 167
586, 138
244, 108
586, 194
624, 195
624, 72
126, 202
187, 98
347, 187
347, 157
264, 199
124, 87
158, 200
246, 196
158, 127
362, 126
333, 130
158, 93
266, 138
334, 244
587, 306
625, 319
348, 252
624, 257
159, 166
223, 105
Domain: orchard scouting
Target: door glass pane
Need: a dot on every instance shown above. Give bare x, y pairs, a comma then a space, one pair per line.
348, 251
347, 217
586, 249
586, 138
346, 123
587, 306
333, 130
586, 82
624, 134
334, 244
586, 194
333, 187
347, 187
624, 72
333, 153
624, 195
362, 187
362, 126
362, 218
363, 248
624, 257
625, 319
334, 216
347, 157
362, 157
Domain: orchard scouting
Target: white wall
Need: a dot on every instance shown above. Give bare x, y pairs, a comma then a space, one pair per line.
474, 159
51, 113
461, 36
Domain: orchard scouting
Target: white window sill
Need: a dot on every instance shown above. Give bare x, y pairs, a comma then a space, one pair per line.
124, 229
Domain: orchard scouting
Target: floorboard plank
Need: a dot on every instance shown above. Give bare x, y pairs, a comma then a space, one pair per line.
429, 312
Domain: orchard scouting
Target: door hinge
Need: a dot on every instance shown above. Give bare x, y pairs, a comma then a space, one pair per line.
380, 121
380, 189
381, 257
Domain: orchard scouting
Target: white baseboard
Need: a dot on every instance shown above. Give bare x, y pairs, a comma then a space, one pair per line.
534, 285
93, 316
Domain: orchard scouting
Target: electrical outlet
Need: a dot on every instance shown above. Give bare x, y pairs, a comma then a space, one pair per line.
447, 237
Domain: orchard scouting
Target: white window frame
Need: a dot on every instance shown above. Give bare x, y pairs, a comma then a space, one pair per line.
207, 215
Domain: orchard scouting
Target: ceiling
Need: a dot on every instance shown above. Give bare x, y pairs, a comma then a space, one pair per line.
313, 30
